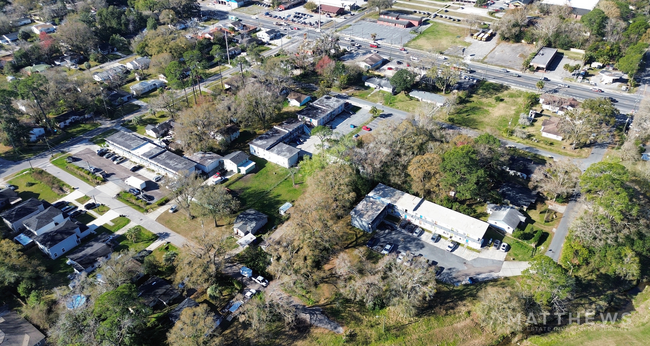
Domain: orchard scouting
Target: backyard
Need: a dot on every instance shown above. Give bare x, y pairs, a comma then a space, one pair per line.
40, 185
438, 37
400, 101
139, 126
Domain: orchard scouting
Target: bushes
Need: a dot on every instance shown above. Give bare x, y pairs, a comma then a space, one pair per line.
162, 201
86, 174
132, 201
58, 186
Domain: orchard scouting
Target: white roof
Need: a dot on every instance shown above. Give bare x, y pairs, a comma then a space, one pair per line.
134, 180
583, 4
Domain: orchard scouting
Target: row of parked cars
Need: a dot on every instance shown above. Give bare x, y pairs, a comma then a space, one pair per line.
72, 210
117, 159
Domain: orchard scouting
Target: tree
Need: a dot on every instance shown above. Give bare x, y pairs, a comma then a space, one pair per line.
167, 102
195, 327
198, 125
120, 269
540, 85
375, 111
426, 175
119, 42
215, 201
186, 186
169, 258
547, 282
510, 26
403, 80
582, 126
77, 35
12, 132
15, 267
557, 178
311, 6
322, 133
462, 173
500, 310
121, 315
168, 17
152, 24
380, 4
373, 36
200, 264
605, 184
595, 21
132, 234
444, 76
258, 105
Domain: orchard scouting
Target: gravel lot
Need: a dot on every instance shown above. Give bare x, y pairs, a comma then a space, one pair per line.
509, 55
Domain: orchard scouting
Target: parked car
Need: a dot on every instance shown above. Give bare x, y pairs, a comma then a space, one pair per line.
115, 158
69, 209
504, 247
261, 280
418, 232
497, 243
452, 246
70, 159
435, 237
135, 168
102, 151
158, 178
366, 128
400, 257
134, 191
77, 213
173, 209
109, 155
387, 249
120, 160
60, 204
250, 293
372, 242
91, 206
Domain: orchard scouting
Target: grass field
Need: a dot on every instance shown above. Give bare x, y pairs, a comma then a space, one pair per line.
83, 199
31, 187
118, 224
143, 239
147, 120
399, 101
61, 163
438, 37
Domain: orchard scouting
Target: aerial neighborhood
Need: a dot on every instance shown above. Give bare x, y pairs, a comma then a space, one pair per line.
380, 172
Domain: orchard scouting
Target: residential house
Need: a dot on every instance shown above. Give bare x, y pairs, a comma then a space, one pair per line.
557, 104
297, 99
238, 162
89, 256
16, 331
428, 97
207, 161
62, 238
105, 48
579, 7
8, 197
141, 63
43, 28
15, 216
290, 4
517, 195
146, 86
372, 62
519, 3
40, 68
119, 97
9, 38
234, 51
505, 218
69, 60
272, 146
156, 291
231, 24
543, 58
269, 35
158, 130
44, 221
380, 83
148, 154
175, 314
68, 118
550, 128
227, 134
321, 111
21, 21
112, 73
384, 200
249, 222
329, 9
35, 133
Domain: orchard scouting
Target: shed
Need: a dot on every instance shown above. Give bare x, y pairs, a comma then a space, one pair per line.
284, 208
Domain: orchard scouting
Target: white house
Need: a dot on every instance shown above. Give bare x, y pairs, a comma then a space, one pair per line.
321, 111
550, 128
46, 28
141, 63
238, 162
68, 118
297, 99
249, 222
35, 133
61, 238
428, 97
269, 35
226, 134
380, 83
272, 146
505, 218
146, 86
44, 221
207, 161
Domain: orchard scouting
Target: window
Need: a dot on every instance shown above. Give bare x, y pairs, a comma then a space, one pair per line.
63, 250
56, 254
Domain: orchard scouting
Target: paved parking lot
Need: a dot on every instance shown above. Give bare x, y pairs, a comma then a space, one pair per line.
341, 124
385, 34
117, 173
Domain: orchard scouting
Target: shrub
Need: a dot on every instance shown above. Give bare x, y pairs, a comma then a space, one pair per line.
53, 182
162, 201
85, 173
537, 237
129, 198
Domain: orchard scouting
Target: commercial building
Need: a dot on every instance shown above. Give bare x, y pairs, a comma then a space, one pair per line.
290, 4
384, 200
579, 7
335, 10
543, 58
272, 146
269, 35
148, 154
372, 62
321, 111
399, 19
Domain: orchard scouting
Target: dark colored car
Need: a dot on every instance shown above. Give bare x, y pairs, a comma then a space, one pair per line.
91, 205
135, 168
70, 159
134, 191
435, 237
372, 242
108, 155
77, 213
60, 204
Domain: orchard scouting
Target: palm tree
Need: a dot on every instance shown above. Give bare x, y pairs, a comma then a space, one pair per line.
373, 36
540, 85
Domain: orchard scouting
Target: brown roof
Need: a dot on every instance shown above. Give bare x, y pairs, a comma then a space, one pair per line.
331, 9
297, 96
551, 126
557, 101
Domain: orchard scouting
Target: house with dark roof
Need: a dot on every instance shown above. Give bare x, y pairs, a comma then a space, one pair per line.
8, 197
249, 222
158, 130
368, 214
156, 291
227, 134
399, 19
505, 218
517, 195
89, 255
380, 83
15, 216
335, 10
118, 97
550, 128
62, 238
297, 99
175, 314
9, 38
372, 62
238, 162
321, 111
16, 331
207, 161
272, 145
68, 118
543, 58
44, 221
141, 63
557, 104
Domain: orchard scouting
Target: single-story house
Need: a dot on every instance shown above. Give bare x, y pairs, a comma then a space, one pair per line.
543, 58
269, 35
249, 222
16, 331
207, 161
15, 216
69, 60
519, 3
146, 86
158, 130
372, 62
111, 73
380, 83
156, 291
335, 10
21, 21
227, 134
175, 314
517, 195
297, 99
394, 22
118, 97
68, 118
384, 200
558, 104
35, 133
505, 218
238, 162
89, 256
9, 38
45, 27
62, 238
550, 128
290, 4
246, 240
428, 97
141, 63
321, 111
399, 19
105, 48
44, 221
40, 68
8, 197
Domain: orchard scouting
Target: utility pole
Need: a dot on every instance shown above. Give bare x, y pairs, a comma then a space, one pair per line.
241, 69
225, 35
319, 16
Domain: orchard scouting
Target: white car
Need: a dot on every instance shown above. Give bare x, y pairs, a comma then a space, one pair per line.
261, 280
504, 247
250, 293
452, 245
414, 58
400, 257
387, 249
157, 178
173, 209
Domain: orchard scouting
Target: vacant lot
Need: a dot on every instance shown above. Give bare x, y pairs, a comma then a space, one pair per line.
511, 55
39, 185
438, 37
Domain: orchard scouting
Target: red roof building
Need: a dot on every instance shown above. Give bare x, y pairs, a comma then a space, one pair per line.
332, 9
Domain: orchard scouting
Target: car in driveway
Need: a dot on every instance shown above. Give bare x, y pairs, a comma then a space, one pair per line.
69, 209
452, 246
173, 209
504, 247
497, 243
91, 205
261, 280
77, 213
134, 191
372, 242
60, 204
250, 293
387, 249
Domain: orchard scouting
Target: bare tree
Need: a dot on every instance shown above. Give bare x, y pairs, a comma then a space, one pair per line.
548, 26
186, 186
215, 201
195, 327
166, 102
258, 104
557, 178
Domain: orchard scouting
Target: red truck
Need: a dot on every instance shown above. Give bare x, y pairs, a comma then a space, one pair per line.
374, 45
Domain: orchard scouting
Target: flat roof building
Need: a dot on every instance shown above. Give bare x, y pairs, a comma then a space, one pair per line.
543, 58
272, 146
321, 111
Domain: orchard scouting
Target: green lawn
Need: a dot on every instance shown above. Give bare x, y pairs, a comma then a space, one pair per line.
101, 210
438, 37
400, 101
85, 218
147, 120
83, 199
60, 162
118, 224
143, 239
30, 186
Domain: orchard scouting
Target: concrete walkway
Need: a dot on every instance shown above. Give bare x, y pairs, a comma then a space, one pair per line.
513, 268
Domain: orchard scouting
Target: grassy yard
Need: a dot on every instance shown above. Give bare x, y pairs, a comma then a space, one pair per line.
438, 37
57, 269
147, 120
39, 185
118, 224
85, 218
100, 139
89, 179
83, 199
535, 138
400, 101
142, 239
101, 210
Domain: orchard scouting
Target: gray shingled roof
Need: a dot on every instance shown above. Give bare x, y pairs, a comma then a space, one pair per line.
41, 219
57, 234
23, 209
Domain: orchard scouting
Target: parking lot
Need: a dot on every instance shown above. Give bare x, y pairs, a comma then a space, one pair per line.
385, 34
458, 265
116, 173
298, 16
